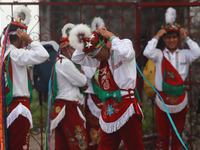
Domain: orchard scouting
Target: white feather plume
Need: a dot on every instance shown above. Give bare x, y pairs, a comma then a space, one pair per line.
170, 15
97, 22
24, 11
74, 39
67, 26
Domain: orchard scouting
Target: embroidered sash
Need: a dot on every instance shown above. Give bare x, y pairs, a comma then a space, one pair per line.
172, 100
114, 114
107, 87
172, 83
116, 109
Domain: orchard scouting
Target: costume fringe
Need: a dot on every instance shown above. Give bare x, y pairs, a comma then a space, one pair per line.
81, 115
93, 108
19, 110
141, 111
114, 126
59, 117
172, 108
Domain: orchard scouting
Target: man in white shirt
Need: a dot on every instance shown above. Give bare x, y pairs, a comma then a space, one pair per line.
18, 86
121, 115
68, 120
172, 65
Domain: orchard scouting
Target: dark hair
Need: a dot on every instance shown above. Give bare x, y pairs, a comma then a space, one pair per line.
161, 43
171, 32
13, 38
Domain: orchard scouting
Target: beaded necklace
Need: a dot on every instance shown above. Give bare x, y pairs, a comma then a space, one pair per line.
176, 59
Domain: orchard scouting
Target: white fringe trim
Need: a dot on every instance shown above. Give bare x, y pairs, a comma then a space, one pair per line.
93, 108
172, 108
19, 110
81, 115
60, 116
141, 111
114, 126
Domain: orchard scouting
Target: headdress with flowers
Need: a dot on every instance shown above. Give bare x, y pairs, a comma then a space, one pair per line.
82, 39
65, 34
22, 17
170, 17
97, 23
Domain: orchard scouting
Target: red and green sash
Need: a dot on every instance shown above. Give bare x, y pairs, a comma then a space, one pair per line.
104, 85
8, 73
172, 83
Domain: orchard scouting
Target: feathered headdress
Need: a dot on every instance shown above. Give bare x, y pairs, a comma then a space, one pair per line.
22, 17
170, 18
65, 34
97, 23
81, 38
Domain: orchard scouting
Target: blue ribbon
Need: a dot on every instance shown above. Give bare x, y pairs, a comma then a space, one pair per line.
172, 123
47, 140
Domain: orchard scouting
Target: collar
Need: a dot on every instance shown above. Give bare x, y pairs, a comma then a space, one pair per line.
166, 50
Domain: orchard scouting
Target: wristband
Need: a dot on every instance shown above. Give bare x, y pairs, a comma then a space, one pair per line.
187, 39
112, 38
156, 37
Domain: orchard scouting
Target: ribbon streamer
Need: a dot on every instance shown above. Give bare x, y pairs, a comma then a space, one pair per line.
3, 115
48, 136
172, 123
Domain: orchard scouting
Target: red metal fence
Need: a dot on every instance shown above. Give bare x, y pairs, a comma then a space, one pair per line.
136, 21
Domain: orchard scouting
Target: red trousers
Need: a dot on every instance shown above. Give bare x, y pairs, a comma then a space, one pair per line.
18, 134
130, 133
165, 129
18, 131
70, 133
92, 128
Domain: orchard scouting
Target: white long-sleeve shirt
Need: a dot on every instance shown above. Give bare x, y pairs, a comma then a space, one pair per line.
185, 58
20, 59
89, 73
125, 75
69, 79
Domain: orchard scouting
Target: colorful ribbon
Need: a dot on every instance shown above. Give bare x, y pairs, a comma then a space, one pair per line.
48, 136
3, 116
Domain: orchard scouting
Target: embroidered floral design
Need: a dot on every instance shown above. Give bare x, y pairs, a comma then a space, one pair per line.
110, 110
25, 147
71, 139
78, 139
81, 138
96, 75
172, 99
106, 85
170, 74
57, 109
105, 79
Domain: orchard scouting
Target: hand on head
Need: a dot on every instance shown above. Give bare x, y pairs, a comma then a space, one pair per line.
160, 33
183, 33
23, 36
105, 33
